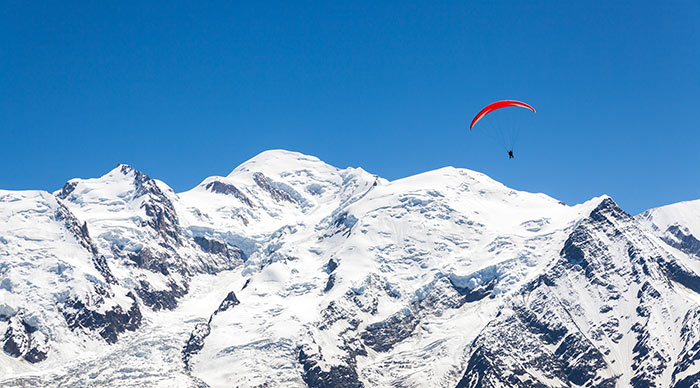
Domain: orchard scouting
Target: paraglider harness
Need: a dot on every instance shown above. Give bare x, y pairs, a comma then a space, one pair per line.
510, 154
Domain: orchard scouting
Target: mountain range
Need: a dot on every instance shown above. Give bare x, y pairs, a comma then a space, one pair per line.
290, 272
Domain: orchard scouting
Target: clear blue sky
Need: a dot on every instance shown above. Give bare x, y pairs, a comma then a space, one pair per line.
183, 91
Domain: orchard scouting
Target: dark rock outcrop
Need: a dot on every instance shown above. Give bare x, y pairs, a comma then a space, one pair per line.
161, 299
342, 224
67, 189
382, 336
229, 302
16, 340
228, 189
329, 283
216, 247
160, 210
277, 194
195, 343
682, 239
146, 258
108, 325
81, 234
22, 340
338, 376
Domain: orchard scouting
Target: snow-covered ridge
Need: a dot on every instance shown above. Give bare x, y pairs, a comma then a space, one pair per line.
677, 224
292, 272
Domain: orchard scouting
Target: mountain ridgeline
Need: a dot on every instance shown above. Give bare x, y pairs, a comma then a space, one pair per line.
290, 272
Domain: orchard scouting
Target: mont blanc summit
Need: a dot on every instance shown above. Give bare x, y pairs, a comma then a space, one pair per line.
289, 272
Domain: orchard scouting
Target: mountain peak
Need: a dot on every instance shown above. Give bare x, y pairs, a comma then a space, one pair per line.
124, 169
682, 213
117, 174
280, 162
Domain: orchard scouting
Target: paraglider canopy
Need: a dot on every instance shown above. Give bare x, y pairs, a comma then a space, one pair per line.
498, 105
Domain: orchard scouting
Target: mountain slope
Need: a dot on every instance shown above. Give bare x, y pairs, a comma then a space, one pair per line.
678, 225
611, 311
54, 281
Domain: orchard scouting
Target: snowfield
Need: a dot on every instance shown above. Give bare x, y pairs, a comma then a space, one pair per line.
290, 272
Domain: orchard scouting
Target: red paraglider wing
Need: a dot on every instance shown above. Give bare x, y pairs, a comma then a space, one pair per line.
498, 105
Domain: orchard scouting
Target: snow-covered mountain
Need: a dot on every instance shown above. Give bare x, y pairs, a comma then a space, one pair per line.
289, 272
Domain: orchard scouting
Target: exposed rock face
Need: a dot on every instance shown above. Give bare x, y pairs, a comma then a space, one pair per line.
342, 376
21, 340
201, 330
80, 232
228, 189
266, 184
220, 248
684, 372
342, 224
683, 240
158, 207
384, 335
160, 299
16, 341
330, 283
152, 261
228, 303
107, 324
195, 342
67, 189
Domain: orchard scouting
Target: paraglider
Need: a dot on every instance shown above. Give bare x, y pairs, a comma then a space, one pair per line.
498, 105
506, 134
